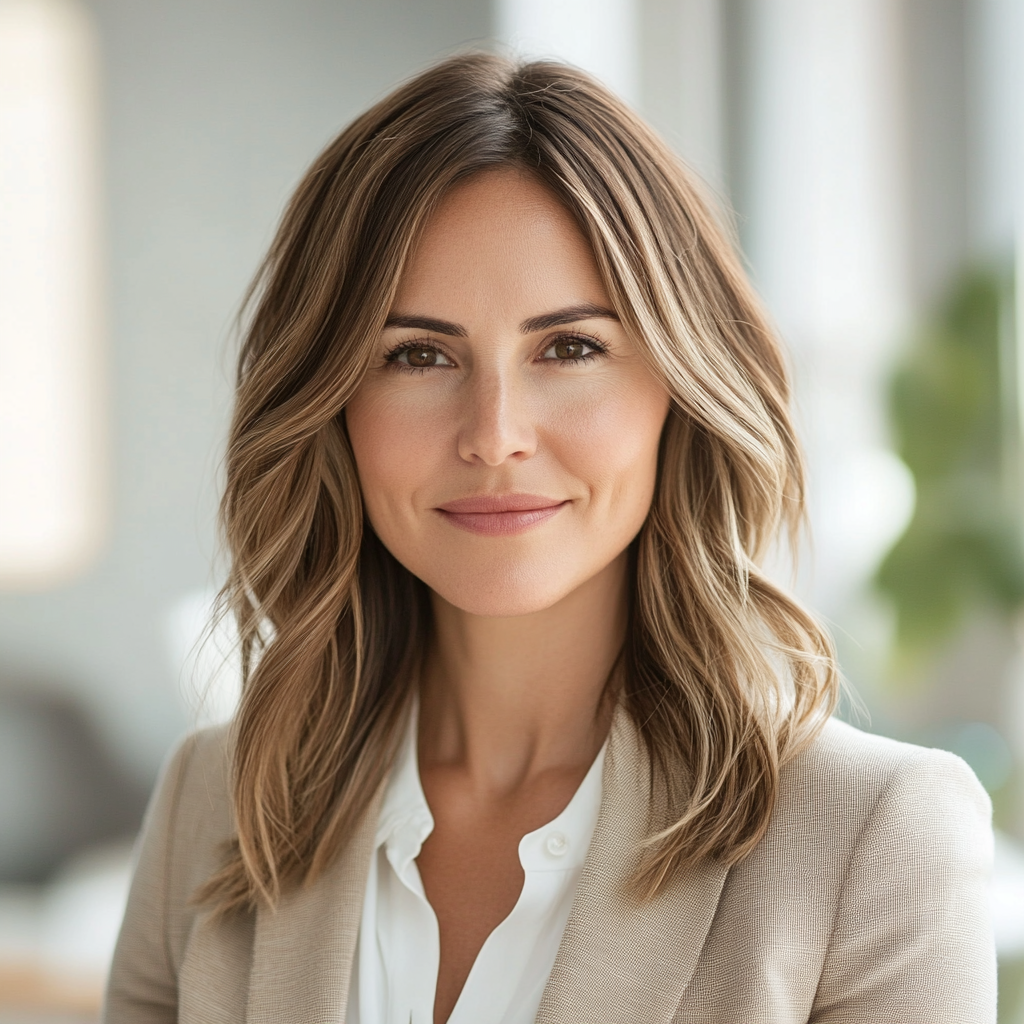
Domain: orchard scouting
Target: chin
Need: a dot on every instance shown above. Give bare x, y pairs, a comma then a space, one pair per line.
502, 593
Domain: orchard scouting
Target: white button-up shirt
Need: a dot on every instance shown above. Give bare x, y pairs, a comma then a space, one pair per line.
394, 974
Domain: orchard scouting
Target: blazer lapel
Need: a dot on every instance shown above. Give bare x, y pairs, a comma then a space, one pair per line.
620, 959
303, 950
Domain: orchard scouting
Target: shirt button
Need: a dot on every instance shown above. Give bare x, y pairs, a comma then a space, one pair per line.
557, 845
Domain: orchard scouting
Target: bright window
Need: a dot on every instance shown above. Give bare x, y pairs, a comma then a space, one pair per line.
51, 438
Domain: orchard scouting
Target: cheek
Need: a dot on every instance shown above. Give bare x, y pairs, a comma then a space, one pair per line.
611, 442
396, 445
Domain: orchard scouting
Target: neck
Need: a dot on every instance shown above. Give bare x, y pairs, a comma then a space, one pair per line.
506, 699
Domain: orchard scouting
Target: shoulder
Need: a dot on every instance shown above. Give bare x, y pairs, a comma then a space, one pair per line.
904, 835
869, 890
849, 777
195, 782
877, 839
199, 767
183, 838
840, 745
196, 793
189, 822
850, 798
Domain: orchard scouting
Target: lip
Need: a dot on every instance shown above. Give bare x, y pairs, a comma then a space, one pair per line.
500, 514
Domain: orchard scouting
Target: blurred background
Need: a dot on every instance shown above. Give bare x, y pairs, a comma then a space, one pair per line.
869, 154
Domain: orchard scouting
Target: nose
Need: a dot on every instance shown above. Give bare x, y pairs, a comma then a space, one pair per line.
495, 423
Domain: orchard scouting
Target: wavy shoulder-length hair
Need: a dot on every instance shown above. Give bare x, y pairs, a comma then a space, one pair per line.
724, 676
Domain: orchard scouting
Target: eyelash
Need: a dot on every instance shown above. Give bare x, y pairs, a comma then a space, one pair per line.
599, 349
391, 357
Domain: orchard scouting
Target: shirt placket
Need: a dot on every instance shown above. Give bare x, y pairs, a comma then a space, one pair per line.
412, 955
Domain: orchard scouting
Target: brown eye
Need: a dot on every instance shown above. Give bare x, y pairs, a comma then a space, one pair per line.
421, 356
569, 349
573, 350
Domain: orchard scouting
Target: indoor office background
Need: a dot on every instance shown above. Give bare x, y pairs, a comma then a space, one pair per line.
869, 154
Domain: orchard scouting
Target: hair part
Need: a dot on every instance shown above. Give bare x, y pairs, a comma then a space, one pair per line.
722, 672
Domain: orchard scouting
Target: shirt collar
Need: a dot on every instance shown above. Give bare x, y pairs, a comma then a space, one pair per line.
405, 820
562, 844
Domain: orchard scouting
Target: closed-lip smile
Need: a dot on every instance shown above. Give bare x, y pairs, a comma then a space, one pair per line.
500, 514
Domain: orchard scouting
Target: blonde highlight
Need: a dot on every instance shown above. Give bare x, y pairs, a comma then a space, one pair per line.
722, 672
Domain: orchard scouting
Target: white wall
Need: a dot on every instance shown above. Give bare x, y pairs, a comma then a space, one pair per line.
600, 36
823, 172
683, 79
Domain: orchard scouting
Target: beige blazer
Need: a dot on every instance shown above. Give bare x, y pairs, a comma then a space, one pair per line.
865, 902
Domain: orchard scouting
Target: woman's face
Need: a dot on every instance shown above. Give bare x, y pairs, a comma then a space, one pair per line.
506, 436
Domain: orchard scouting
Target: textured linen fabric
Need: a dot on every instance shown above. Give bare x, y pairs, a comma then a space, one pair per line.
394, 976
866, 902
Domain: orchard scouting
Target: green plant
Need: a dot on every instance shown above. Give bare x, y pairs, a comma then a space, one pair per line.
953, 412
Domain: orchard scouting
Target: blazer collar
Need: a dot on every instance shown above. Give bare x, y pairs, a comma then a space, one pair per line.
303, 951
620, 959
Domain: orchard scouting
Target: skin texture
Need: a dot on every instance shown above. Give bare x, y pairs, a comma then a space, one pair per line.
530, 608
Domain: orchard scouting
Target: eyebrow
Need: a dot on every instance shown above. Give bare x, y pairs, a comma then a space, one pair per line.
426, 323
568, 315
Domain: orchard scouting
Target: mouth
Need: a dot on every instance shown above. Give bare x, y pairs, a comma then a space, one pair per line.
500, 514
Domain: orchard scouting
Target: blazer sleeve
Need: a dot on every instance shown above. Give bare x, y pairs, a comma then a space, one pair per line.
142, 987
912, 938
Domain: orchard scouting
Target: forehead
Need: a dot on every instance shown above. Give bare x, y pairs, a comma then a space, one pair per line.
500, 240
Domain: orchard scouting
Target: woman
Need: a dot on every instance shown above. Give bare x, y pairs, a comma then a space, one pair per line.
525, 731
